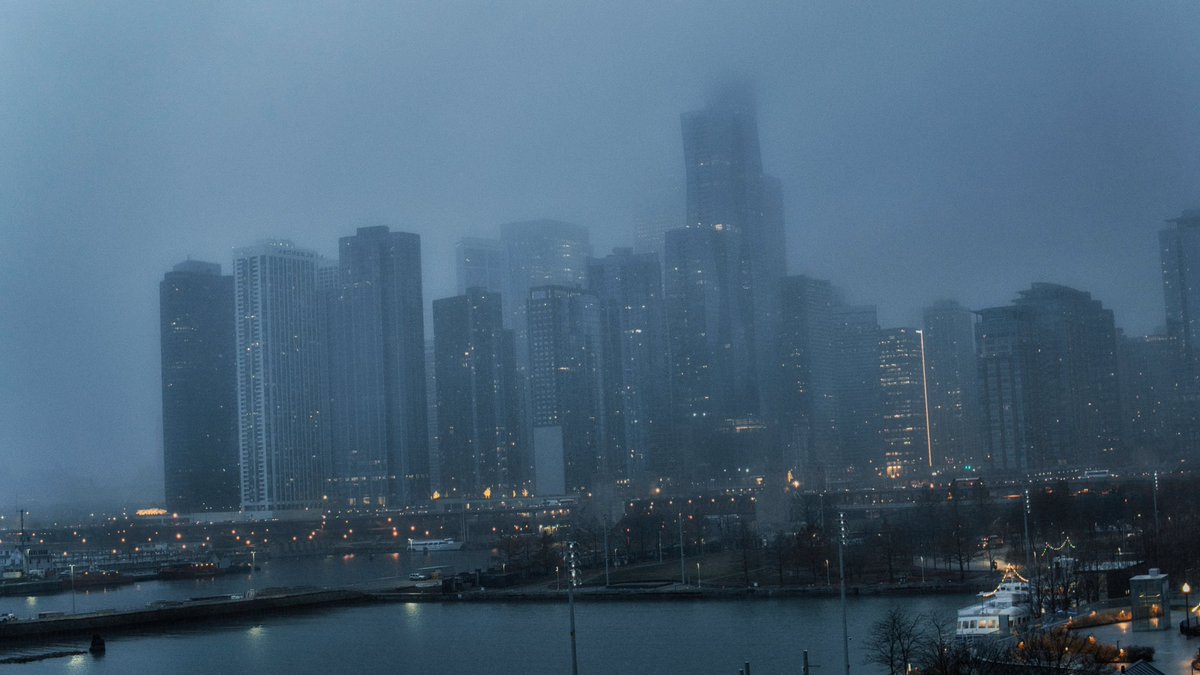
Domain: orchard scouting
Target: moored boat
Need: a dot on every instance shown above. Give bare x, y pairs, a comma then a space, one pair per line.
1004, 611
434, 545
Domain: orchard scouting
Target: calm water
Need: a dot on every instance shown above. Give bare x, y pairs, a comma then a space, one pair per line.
645, 637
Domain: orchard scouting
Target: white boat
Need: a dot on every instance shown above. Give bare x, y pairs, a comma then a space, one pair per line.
434, 545
1004, 611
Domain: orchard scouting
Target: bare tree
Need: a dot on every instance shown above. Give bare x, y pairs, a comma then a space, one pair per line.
894, 640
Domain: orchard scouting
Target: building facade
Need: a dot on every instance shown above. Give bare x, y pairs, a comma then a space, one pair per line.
283, 435
199, 392
377, 374
955, 427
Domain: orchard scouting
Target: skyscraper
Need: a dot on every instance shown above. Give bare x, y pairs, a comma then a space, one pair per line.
1077, 415
1150, 368
199, 393
1006, 353
381, 444
636, 383
481, 263
283, 434
955, 428
856, 389
727, 190
805, 403
1180, 249
1048, 366
540, 253
478, 406
710, 317
903, 427
566, 389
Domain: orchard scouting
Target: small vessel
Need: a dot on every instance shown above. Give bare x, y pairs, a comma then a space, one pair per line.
1004, 611
434, 545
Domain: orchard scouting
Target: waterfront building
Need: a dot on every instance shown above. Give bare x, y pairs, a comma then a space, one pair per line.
377, 347
955, 427
478, 402
857, 392
480, 263
566, 389
904, 421
283, 439
636, 382
199, 393
805, 403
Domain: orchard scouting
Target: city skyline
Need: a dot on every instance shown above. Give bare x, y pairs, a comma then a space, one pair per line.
897, 218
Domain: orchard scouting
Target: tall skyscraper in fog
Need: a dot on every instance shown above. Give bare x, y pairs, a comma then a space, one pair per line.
1006, 351
480, 263
1180, 249
903, 429
282, 429
540, 253
727, 190
805, 403
377, 347
710, 322
1077, 416
199, 393
478, 401
566, 389
1048, 366
636, 382
1150, 369
955, 427
856, 389
1179, 246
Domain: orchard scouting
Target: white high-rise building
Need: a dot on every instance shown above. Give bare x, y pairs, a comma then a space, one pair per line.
283, 438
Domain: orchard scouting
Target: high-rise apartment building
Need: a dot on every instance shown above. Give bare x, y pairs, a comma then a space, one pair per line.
199, 392
955, 427
540, 253
1048, 366
478, 402
710, 323
805, 402
282, 427
377, 357
903, 426
1006, 351
856, 390
1150, 368
1180, 250
636, 367
566, 389
1077, 415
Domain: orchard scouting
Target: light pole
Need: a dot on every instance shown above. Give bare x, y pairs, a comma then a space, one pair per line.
842, 574
571, 604
72, 566
697, 575
682, 569
1187, 605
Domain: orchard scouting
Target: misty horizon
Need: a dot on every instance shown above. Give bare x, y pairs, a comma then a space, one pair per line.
926, 152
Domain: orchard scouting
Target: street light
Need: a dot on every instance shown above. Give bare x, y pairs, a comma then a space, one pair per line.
72, 566
1187, 605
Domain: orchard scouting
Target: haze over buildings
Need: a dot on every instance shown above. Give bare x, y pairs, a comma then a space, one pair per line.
912, 167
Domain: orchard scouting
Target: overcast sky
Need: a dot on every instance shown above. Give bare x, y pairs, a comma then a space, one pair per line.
927, 150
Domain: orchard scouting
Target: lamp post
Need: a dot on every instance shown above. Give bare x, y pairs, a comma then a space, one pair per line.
697, 575
1187, 605
72, 566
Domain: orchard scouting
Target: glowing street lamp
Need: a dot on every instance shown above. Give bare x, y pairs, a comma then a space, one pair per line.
1187, 605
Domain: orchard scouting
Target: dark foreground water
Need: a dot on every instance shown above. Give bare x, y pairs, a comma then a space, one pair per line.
636, 637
